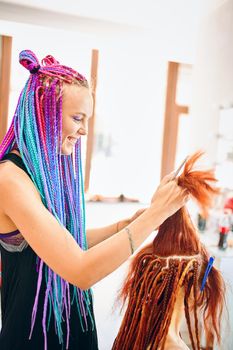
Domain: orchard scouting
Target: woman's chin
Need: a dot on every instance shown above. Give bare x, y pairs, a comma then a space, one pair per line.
66, 151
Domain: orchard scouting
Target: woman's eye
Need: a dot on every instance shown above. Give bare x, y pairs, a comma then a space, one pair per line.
77, 118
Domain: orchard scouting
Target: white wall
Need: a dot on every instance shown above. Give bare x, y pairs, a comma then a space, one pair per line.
130, 98
213, 76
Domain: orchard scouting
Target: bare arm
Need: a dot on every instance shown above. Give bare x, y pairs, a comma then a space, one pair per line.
97, 235
56, 246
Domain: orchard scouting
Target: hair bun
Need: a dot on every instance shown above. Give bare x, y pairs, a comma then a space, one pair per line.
49, 60
29, 61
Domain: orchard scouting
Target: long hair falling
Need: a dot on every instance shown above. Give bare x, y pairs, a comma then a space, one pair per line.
36, 131
176, 260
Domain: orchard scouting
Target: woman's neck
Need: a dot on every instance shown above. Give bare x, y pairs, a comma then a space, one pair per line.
175, 342
173, 339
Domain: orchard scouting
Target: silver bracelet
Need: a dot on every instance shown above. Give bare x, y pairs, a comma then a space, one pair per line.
130, 240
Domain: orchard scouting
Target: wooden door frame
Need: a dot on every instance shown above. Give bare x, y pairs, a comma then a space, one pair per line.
171, 120
91, 123
5, 69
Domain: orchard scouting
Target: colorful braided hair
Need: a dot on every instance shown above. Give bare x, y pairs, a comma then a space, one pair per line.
36, 131
175, 262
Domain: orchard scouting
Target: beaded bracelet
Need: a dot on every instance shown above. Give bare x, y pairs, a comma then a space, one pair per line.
130, 240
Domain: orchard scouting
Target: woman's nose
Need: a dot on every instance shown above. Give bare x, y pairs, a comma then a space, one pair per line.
83, 129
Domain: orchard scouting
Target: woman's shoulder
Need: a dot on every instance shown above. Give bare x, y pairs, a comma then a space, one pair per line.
14, 180
10, 164
10, 173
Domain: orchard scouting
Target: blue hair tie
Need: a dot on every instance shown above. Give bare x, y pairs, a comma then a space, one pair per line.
207, 271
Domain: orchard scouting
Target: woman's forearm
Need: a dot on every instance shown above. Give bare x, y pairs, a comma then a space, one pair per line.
98, 235
105, 257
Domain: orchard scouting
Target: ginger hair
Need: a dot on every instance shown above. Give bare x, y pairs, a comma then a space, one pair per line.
175, 259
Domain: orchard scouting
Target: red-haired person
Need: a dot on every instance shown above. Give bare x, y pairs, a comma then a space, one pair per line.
173, 279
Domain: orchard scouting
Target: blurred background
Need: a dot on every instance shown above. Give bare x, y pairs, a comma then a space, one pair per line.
162, 75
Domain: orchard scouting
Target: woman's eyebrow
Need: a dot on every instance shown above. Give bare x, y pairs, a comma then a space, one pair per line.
78, 113
83, 115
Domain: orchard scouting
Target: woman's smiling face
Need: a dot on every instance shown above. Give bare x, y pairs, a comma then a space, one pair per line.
77, 108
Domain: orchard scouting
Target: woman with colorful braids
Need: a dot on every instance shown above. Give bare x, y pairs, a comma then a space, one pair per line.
166, 280
49, 259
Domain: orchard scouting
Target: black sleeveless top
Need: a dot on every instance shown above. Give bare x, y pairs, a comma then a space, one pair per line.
19, 282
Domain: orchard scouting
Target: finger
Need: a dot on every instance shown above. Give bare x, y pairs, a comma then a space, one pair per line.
186, 198
173, 185
139, 212
167, 178
186, 192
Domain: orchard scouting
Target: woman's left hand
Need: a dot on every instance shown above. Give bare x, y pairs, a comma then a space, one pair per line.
123, 223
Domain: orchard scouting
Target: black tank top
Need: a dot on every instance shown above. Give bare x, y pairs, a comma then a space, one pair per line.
19, 281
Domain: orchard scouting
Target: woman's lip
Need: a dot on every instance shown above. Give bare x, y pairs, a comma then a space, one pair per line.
72, 140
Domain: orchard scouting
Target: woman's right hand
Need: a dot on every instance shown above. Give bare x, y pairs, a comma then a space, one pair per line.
169, 197
164, 180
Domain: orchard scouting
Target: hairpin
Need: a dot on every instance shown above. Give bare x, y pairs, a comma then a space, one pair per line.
207, 271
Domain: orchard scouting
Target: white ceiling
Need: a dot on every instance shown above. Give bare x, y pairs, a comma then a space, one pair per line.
172, 26
146, 13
